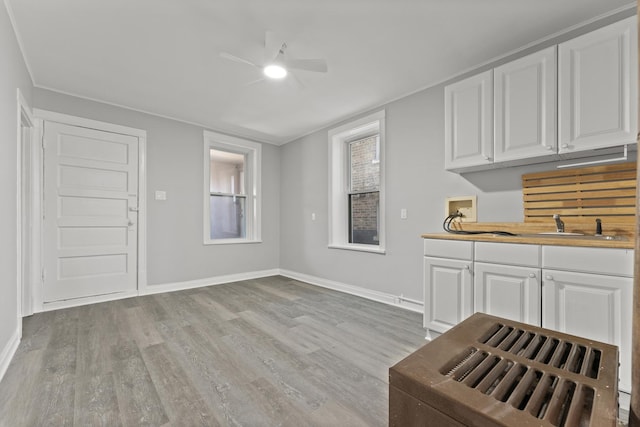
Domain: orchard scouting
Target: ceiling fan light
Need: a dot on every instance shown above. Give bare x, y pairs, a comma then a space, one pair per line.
274, 71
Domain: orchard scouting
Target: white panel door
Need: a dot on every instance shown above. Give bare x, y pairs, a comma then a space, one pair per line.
525, 107
468, 120
593, 306
90, 212
598, 91
448, 293
508, 291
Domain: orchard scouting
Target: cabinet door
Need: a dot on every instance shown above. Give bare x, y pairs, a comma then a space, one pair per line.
598, 75
469, 122
448, 293
593, 306
508, 291
525, 107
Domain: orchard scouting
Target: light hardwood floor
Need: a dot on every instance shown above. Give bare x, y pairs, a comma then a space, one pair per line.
264, 352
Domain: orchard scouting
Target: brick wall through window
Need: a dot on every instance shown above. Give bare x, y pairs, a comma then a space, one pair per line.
364, 189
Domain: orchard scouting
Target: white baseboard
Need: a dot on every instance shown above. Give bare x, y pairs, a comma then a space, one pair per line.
624, 400
77, 302
9, 351
199, 283
383, 297
158, 289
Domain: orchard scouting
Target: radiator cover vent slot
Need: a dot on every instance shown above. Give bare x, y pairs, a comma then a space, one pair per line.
559, 353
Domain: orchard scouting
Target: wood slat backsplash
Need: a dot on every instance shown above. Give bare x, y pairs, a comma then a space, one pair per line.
607, 192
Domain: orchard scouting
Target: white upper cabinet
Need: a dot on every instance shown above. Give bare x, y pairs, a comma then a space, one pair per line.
469, 122
598, 75
576, 97
525, 107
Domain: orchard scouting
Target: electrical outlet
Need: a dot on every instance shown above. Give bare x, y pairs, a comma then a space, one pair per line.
466, 205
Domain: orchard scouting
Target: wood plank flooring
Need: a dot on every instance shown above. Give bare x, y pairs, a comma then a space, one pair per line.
264, 352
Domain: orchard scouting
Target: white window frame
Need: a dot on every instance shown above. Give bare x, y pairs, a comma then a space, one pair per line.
253, 188
339, 139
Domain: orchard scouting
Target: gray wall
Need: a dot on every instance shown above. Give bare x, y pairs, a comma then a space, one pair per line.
175, 251
14, 75
415, 180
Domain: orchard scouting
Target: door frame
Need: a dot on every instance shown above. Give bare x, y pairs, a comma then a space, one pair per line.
43, 116
23, 165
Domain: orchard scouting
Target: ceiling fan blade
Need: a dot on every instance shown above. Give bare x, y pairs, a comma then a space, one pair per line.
251, 83
272, 45
316, 65
234, 58
296, 82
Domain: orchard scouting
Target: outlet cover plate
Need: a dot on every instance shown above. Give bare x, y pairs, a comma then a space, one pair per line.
465, 204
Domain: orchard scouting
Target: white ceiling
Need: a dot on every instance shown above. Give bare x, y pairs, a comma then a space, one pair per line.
162, 56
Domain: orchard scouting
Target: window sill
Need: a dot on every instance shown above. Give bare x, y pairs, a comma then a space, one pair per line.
230, 242
360, 248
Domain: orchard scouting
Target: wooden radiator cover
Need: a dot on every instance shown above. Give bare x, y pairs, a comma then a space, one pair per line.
582, 195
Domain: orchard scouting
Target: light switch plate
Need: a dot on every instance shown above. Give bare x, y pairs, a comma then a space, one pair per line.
161, 195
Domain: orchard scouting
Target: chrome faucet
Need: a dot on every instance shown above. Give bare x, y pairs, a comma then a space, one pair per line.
559, 223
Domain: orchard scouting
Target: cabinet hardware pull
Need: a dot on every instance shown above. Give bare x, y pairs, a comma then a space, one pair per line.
532, 275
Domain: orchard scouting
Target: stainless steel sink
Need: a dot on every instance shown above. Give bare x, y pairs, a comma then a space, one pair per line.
577, 236
560, 233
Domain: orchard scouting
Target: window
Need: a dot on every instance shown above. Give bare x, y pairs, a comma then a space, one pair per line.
231, 189
356, 175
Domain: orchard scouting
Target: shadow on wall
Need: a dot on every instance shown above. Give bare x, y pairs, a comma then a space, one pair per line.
510, 179
507, 179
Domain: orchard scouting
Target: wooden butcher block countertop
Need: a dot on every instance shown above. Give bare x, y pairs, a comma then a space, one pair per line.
527, 233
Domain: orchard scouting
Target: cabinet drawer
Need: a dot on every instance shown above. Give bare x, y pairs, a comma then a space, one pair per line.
615, 262
455, 249
508, 253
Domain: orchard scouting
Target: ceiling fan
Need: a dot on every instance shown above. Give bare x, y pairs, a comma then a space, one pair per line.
277, 61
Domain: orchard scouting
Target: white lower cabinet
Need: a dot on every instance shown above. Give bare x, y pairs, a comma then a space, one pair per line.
508, 291
580, 291
506, 281
448, 293
448, 284
593, 306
